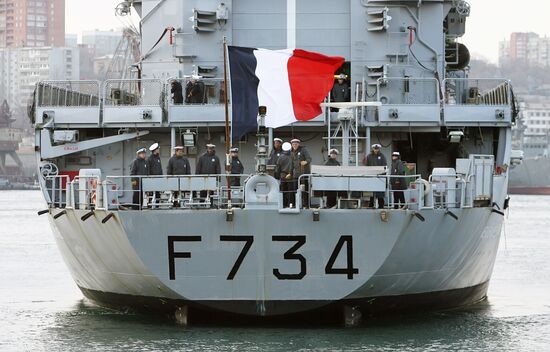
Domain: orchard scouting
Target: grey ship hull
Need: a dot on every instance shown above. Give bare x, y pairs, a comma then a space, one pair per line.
531, 177
400, 264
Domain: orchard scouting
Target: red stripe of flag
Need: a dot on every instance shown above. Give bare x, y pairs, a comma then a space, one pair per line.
311, 77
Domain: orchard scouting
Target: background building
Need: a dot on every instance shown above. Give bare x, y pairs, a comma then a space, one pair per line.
71, 40
32, 23
105, 42
527, 48
22, 68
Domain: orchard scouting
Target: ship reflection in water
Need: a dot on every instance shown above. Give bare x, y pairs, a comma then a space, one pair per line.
41, 309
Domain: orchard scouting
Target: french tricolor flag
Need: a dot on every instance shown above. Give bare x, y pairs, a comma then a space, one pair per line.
290, 83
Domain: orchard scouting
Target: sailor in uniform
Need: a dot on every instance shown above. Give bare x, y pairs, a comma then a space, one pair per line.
284, 170
139, 168
376, 158
332, 155
178, 163
155, 164
275, 152
340, 91
398, 184
301, 165
332, 195
237, 168
208, 164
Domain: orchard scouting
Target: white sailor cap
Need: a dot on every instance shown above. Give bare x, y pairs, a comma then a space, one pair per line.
334, 151
141, 150
210, 145
295, 140
287, 146
154, 147
277, 140
234, 150
178, 147
376, 146
396, 154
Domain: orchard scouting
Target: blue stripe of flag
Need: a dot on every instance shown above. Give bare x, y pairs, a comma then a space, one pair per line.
244, 91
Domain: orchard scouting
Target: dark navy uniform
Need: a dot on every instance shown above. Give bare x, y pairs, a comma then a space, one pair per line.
237, 168
332, 196
178, 166
140, 167
332, 162
208, 164
155, 165
282, 169
177, 92
340, 92
398, 184
274, 156
297, 156
376, 160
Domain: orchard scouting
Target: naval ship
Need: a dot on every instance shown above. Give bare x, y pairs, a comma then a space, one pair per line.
225, 250
532, 176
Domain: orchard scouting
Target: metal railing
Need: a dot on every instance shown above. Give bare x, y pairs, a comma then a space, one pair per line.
182, 191
212, 192
133, 92
55, 190
189, 91
477, 91
354, 189
68, 94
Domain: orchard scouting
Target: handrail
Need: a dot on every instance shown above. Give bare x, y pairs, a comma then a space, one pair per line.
497, 94
70, 90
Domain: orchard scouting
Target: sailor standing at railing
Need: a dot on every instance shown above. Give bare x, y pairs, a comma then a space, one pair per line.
208, 164
301, 165
177, 92
376, 158
140, 168
275, 153
178, 165
398, 184
332, 196
284, 170
237, 168
155, 164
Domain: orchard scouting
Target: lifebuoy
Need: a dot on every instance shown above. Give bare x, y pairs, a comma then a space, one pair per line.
427, 187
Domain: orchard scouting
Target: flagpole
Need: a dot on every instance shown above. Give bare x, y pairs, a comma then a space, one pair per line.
227, 134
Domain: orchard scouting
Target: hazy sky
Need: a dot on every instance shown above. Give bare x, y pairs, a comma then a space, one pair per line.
490, 21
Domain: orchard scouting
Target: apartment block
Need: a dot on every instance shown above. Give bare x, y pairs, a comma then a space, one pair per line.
22, 68
32, 23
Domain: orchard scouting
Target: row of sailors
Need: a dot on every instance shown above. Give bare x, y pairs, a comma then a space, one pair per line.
291, 160
178, 165
207, 164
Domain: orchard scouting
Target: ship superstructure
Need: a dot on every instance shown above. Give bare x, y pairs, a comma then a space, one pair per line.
238, 249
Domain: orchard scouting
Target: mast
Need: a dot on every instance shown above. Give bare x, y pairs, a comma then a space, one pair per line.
227, 134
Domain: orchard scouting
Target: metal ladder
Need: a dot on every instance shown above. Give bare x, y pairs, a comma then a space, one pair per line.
344, 136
